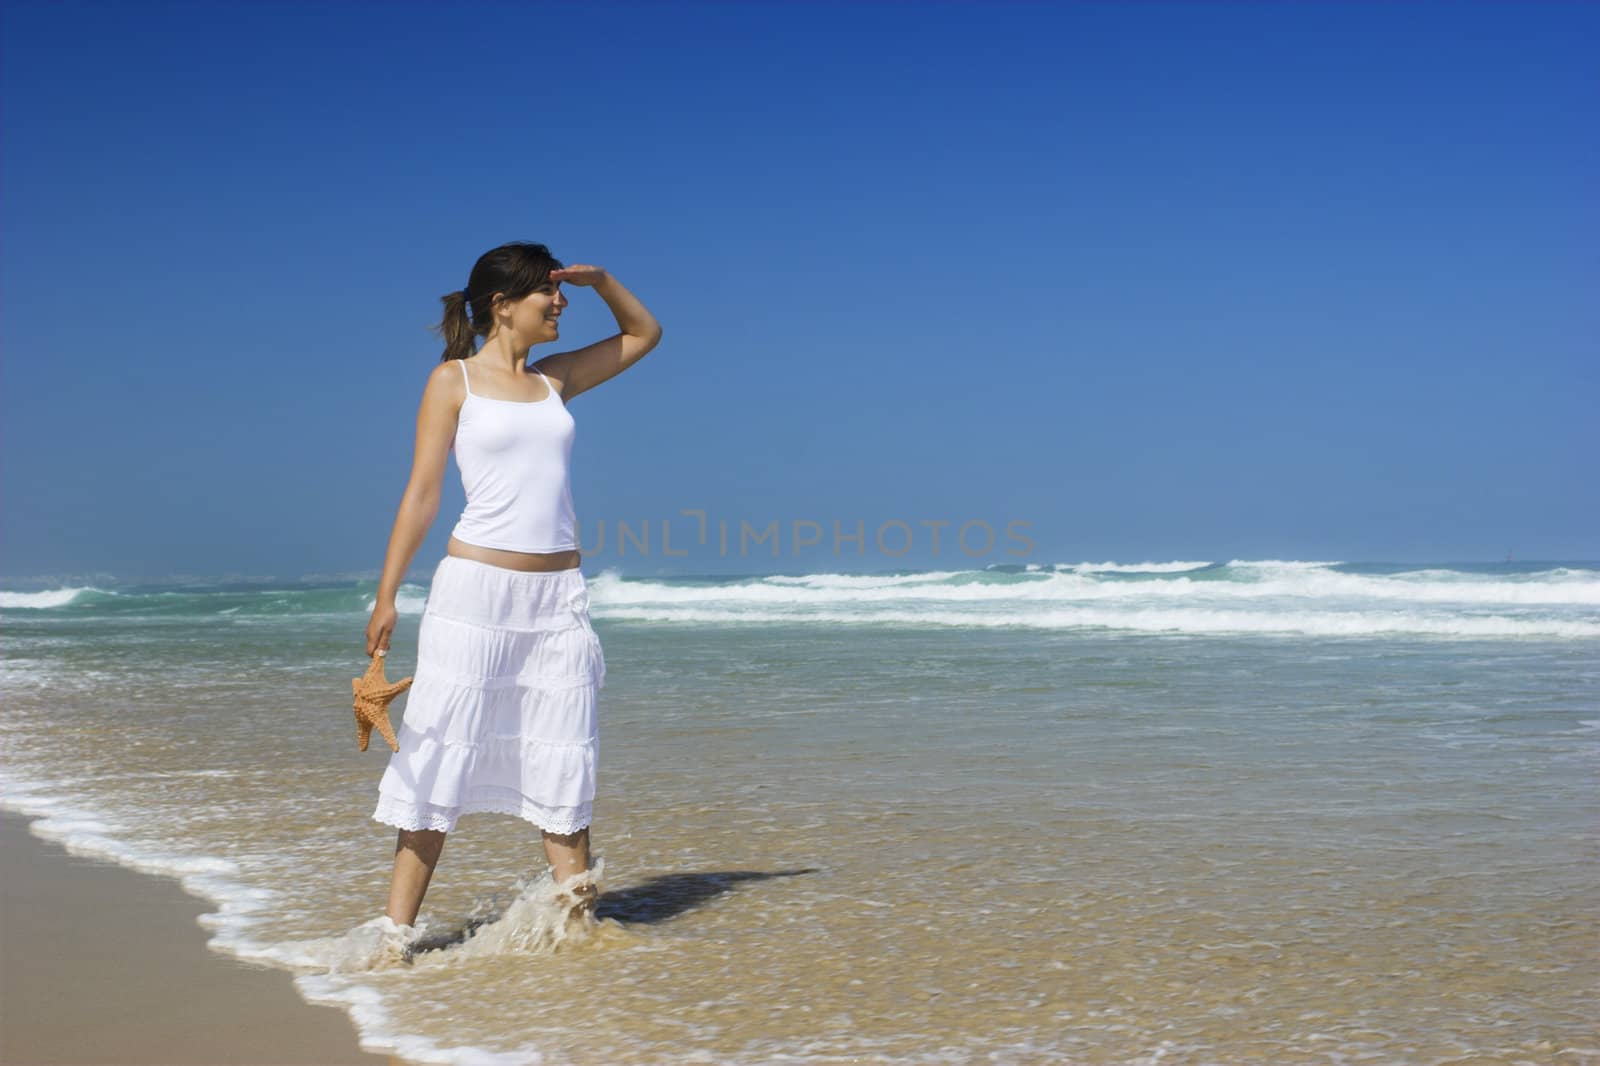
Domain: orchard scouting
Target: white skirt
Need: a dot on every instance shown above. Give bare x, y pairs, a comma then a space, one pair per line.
501, 716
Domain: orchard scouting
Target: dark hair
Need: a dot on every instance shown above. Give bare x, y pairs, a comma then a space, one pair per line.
513, 270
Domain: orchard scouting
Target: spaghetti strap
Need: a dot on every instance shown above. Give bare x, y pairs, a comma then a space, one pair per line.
464, 377
547, 384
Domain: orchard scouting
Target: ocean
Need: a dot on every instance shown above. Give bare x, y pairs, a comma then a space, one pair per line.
1183, 813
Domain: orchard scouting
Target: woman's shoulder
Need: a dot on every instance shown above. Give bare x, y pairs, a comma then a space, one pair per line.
448, 371
446, 385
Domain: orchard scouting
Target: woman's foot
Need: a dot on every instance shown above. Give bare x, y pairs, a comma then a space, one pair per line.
381, 942
579, 895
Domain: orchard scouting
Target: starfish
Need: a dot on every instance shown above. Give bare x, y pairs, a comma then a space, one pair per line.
373, 694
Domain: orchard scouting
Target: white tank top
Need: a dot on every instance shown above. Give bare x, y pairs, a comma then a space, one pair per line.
515, 459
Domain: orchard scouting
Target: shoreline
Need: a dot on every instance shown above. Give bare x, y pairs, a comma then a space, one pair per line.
100, 963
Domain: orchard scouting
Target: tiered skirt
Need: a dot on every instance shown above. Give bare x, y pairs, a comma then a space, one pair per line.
501, 714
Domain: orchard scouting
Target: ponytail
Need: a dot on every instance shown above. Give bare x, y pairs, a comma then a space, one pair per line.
456, 328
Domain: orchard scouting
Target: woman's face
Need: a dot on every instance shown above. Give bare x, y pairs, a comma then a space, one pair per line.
536, 315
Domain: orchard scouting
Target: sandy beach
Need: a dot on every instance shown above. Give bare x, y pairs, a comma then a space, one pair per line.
105, 965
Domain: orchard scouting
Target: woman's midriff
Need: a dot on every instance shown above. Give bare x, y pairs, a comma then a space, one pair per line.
513, 560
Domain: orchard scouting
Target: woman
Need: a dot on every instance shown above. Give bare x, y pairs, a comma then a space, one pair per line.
501, 714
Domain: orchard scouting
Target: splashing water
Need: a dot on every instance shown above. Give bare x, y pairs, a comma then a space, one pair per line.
377, 944
542, 917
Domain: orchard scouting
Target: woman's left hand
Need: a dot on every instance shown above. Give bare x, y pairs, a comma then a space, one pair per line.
580, 274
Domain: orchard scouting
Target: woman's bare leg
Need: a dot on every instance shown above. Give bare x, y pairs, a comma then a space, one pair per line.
569, 856
416, 853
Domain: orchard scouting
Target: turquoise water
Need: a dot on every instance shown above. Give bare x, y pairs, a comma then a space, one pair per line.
1183, 812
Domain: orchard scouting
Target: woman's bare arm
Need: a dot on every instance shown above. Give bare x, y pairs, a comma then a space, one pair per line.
436, 428
583, 368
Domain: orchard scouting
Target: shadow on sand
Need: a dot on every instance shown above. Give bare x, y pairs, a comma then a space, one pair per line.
670, 895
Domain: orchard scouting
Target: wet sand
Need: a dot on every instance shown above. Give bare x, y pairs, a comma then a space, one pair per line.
105, 965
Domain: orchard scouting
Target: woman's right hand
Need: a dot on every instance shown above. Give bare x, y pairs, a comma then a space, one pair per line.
381, 628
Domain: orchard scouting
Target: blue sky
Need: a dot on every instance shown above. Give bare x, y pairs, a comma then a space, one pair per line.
1161, 281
